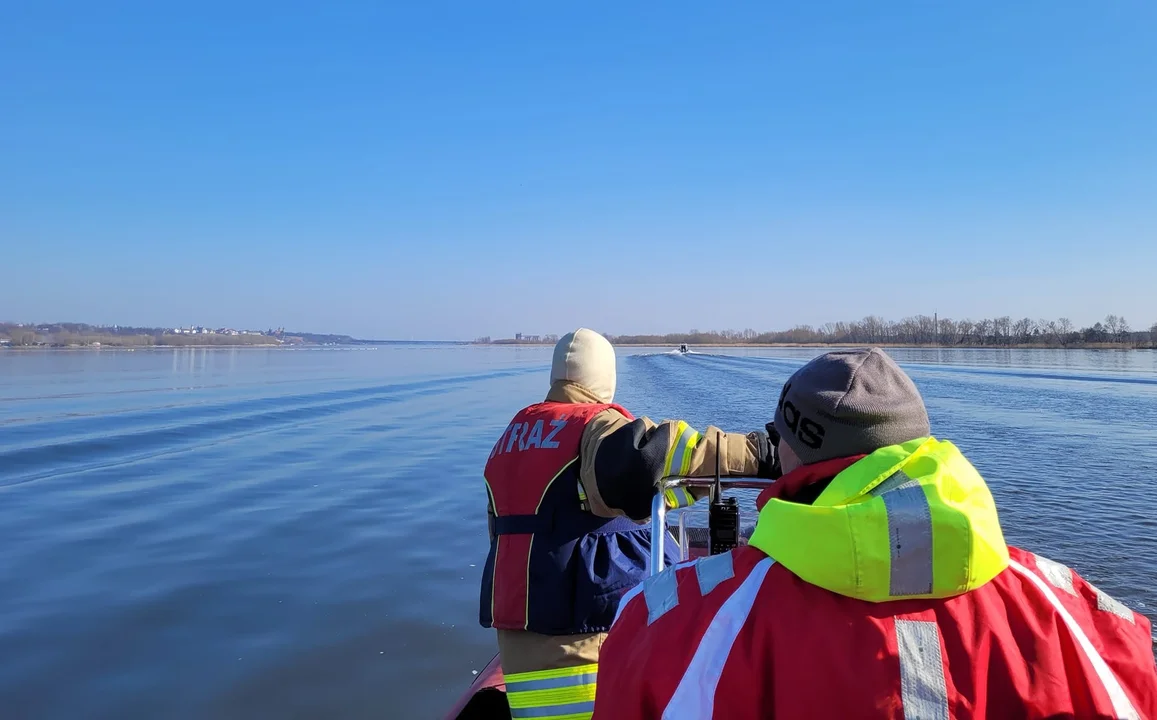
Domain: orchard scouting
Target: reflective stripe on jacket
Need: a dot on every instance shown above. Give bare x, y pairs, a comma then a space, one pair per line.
976, 630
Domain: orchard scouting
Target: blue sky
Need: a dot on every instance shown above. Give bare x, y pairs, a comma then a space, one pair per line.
447, 170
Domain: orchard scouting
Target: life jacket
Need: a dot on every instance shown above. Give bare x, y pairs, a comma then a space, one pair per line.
553, 568
892, 596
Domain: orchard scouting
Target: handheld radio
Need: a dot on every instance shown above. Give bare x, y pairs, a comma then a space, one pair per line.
723, 515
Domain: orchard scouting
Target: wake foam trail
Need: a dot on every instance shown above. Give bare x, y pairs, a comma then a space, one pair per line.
1029, 374
151, 433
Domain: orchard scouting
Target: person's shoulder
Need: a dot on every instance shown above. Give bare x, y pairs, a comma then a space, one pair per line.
694, 587
1064, 587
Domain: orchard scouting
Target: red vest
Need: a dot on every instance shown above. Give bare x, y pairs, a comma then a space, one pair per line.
736, 636
532, 480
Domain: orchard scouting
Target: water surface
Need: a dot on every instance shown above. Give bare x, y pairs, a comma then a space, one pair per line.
241, 533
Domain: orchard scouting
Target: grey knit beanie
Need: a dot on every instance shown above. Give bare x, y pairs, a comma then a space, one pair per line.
849, 402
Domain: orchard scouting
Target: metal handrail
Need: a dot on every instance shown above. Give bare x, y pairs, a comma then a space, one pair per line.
659, 509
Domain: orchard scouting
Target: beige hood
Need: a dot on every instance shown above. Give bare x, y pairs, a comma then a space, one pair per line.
585, 358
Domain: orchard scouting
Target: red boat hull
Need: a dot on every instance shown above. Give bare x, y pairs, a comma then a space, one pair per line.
486, 698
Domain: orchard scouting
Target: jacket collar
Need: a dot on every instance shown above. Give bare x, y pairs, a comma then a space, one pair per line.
792, 483
906, 521
564, 391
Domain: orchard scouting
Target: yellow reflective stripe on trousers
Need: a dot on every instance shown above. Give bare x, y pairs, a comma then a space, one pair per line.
679, 456
562, 694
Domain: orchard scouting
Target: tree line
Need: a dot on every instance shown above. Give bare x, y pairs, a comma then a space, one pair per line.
28, 338
926, 330
69, 334
80, 334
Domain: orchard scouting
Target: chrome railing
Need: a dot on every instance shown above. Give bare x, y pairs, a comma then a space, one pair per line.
659, 509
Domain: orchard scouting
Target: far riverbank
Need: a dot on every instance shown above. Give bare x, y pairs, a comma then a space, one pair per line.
1019, 346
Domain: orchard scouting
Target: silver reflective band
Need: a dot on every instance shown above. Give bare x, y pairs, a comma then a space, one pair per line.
713, 570
635, 591
1111, 604
552, 710
923, 688
681, 449
661, 593
1122, 708
1058, 575
896, 481
550, 683
694, 699
679, 497
910, 536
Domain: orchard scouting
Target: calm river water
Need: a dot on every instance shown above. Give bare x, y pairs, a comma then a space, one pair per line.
298, 533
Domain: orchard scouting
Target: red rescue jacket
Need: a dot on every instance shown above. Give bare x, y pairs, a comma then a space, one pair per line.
740, 636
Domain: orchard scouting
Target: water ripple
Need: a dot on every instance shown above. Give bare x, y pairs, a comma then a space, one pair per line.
277, 533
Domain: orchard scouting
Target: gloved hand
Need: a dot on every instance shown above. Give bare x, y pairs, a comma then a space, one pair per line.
766, 444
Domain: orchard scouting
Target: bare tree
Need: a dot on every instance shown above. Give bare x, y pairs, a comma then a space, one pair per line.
965, 329
891, 330
907, 331
1065, 330
1112, 326
871, 330
1022, 330
928, 332
982, 330
1002, 330
951, 331
1050, 330
1124, 332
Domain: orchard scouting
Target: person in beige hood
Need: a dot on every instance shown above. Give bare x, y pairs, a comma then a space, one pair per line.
569, 482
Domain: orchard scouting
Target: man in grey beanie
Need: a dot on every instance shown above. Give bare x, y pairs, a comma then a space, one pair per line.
846, 403
877, 583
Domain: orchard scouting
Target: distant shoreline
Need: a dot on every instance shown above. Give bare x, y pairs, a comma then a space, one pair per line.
673, 346
221, 346
1017, 346
73, 348
916, 331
